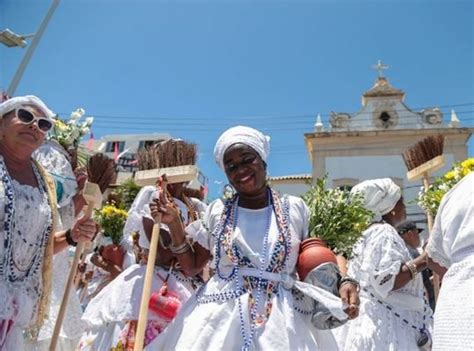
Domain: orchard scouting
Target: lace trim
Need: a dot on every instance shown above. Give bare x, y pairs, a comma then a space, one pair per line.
436, 255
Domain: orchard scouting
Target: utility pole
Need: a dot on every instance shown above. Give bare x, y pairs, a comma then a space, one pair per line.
31, 48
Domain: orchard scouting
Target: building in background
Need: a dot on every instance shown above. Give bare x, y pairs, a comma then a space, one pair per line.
296, 185
370, 143
124, 147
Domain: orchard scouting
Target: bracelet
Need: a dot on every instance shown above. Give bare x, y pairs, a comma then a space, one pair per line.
412, 268
180, 249
69, 238
349, 280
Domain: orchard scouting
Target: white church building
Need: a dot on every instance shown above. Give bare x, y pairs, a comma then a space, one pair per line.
370, 143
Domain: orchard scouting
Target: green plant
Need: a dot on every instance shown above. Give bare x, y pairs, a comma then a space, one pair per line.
112, 221
128, 191
336, 216
430, 199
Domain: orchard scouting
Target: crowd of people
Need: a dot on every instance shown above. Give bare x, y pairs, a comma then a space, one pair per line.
225, 275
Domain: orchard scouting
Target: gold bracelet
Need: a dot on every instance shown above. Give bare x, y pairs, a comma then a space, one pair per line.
412, 268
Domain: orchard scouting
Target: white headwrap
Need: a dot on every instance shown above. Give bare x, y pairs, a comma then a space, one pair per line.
13, 103
245, 135
380, 195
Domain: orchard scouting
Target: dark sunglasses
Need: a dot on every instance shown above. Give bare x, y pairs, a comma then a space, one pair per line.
26, 117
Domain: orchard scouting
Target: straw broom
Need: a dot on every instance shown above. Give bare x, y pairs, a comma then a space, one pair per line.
422, 159
101, 174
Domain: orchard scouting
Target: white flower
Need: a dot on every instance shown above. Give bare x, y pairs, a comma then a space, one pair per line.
77, 114
88, 121
84, 130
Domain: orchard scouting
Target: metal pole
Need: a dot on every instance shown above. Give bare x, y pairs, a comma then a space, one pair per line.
31, 48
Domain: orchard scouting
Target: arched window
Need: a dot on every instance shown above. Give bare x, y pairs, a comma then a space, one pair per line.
385, 118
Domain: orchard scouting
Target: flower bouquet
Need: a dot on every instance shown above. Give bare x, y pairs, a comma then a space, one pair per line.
69, 133
336, 216
430, 199
112, 220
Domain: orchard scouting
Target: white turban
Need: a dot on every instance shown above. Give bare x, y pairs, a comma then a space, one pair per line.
244, 135
14, 103
380, 195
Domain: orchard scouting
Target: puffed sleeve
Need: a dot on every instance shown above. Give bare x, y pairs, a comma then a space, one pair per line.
200, 231
299, 217
435, 247
383, 255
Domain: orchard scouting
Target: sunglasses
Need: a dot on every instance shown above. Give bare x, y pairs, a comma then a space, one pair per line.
26, 117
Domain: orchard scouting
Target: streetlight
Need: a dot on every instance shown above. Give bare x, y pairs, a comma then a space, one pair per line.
11, 39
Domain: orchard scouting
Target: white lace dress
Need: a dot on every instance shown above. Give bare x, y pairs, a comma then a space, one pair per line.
53, 158
230, 311
112, 315
451, 245
388, 320
26, 217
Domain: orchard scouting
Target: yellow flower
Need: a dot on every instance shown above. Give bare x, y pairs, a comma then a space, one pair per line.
466, 171
60, 125
468, 163
450, 175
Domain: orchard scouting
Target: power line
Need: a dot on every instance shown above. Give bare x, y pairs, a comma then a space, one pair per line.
312, 115
227, 122
308, 128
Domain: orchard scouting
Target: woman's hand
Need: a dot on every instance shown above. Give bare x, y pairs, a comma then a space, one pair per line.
81, 177
169, 213
83, 230
349, 293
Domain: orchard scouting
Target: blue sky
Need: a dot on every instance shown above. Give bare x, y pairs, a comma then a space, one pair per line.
195, 68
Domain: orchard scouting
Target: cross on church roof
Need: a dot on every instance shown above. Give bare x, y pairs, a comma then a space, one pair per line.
379, 67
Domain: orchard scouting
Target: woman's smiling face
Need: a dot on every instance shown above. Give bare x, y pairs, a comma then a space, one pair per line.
245, 169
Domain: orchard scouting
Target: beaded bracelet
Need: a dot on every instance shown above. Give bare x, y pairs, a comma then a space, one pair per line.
180, 249
69, 238
350, 280
412, 268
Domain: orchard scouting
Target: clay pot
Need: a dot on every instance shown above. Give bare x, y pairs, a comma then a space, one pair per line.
313, 252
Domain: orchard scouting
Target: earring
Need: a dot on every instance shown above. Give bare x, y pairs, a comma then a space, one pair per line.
393, 213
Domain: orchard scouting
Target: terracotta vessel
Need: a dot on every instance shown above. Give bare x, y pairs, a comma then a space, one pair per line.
313, 252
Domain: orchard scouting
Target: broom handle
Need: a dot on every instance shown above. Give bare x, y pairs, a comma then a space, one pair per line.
69, 284
436, 281
150, 266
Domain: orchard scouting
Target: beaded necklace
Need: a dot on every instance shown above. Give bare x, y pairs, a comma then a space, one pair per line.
278, 261
9, 268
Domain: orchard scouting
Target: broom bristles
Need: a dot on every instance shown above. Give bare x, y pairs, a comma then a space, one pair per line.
101, 170
170, 153
423, 151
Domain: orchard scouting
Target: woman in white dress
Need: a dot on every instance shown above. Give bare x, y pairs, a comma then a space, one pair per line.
393, 314
112, 315
253, 301
451, 247
56, 161
28, 216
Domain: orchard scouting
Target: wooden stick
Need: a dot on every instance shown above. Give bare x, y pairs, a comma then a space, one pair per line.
436, 280
92, 202
150, 267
